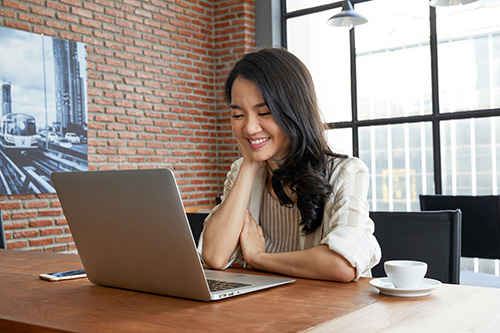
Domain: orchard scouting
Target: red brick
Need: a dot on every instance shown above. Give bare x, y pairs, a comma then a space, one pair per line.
41, 223
36, 204
23, 215
25, 234
10, 205
41, 241
52, 231
59, 248
50, 212
17, 245
15, 5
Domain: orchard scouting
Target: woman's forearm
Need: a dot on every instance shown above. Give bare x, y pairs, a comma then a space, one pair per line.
318, 262
222, 231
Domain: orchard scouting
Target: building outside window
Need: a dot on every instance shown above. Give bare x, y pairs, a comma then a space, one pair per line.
415, 92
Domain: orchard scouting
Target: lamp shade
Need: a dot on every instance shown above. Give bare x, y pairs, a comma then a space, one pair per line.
446, 3
347, 17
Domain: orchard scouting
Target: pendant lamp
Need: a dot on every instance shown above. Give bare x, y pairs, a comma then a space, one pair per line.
347, 17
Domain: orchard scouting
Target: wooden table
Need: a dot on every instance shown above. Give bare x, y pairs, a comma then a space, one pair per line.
30, 304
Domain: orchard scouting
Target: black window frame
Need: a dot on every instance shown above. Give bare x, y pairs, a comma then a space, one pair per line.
435, 118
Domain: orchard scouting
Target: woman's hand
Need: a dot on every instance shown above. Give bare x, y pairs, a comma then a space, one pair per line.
247, 157
252, 239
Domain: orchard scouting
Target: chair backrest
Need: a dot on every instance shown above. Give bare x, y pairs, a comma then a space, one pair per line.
480, 221
196, 221
3, 244
432, 237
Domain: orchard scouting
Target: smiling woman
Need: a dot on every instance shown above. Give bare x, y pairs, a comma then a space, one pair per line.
290, 205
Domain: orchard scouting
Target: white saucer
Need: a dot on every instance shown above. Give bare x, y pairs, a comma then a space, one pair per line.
386, 287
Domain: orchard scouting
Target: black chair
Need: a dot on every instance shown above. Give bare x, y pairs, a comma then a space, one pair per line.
480, 221
196, 222
433, 237
3, 244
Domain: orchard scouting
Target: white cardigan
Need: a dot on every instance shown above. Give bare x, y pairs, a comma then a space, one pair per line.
346, 227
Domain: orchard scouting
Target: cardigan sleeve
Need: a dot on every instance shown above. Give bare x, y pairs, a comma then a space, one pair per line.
347, 227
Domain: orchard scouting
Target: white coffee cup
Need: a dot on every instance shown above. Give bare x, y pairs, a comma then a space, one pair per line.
405, 273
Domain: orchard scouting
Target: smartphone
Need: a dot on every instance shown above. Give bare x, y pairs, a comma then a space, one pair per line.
67, 275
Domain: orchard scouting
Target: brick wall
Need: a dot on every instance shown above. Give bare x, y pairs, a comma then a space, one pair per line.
155, 73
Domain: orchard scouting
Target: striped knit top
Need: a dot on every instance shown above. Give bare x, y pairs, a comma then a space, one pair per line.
280, 225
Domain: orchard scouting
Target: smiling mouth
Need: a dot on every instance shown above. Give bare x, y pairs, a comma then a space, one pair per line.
258, 141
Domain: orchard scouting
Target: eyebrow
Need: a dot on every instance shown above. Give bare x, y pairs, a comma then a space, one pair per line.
257, 106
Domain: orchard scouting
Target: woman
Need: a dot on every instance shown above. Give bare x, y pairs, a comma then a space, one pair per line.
290, 205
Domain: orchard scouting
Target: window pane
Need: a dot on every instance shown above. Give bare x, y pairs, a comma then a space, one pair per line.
400, 160
469, 56
470, 155
325, 51
340, 140
293, 5
393, 59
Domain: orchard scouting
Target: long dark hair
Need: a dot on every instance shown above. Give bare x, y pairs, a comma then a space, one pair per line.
288, 90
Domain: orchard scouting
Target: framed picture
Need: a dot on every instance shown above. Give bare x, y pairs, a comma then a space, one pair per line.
43, 126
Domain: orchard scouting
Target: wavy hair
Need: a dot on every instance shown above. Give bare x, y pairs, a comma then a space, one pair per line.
288, 90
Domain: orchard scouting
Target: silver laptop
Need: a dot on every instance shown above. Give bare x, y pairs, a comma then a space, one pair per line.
131, 232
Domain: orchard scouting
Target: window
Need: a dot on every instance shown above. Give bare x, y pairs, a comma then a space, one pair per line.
415, 92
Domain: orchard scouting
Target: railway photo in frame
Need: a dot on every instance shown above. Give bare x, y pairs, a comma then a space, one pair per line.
43, 124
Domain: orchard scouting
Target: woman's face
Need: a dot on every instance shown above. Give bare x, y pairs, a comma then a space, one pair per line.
254, 125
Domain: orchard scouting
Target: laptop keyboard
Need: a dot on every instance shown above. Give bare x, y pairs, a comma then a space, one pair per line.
217, 285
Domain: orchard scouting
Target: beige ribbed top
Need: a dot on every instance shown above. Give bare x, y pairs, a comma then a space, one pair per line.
280, 225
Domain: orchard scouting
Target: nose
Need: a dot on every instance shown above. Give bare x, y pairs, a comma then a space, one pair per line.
252, 125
